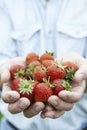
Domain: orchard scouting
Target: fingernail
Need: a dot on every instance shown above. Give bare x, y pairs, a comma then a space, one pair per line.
43, 116
55, 102
23, 105
37, 108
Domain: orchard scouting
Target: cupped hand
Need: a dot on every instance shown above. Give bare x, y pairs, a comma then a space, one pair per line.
12, 98
66, 99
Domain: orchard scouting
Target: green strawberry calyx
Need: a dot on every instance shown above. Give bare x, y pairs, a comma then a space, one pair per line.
66, 85
70, 74
31, 69
60, 65
49, 53
47, 81
19, 73
26, 86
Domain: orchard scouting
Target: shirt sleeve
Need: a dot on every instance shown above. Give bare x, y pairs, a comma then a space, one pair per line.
7, 45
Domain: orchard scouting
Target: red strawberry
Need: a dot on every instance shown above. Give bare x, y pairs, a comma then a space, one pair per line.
55, 72
30, 68
24, 87
47, 63
35, 63
42, 92
46, 56
39, 73
31, 57
68, 65
59, 85
17, 71
70, 68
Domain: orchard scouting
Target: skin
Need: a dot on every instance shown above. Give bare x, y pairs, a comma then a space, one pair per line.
65, 100
57, 105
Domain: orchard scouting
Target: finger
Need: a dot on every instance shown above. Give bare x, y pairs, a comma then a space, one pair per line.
53, 114
59, 104
17, 60
34, 109
4, 75
74, 95
8, 95
81, 74
47, 108
4, 70
19, 106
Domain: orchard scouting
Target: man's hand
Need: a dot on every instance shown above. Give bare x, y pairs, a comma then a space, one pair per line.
15, 103
66, 99
58, 104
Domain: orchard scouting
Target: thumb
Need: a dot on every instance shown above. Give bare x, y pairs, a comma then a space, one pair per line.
4, 70
5, 76
4, 73
81, 74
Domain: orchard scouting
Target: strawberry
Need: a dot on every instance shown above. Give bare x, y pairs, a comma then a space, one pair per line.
30, 68
17, 71
24, 87
47, 63
70, 68
35, 63
39, 73
54, 72
29, 71
46, 56
68, 65
59, 85
31, 57
42, 92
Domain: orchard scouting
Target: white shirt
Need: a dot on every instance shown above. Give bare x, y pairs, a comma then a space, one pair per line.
31, 25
